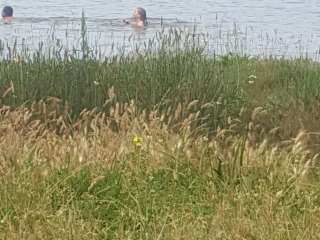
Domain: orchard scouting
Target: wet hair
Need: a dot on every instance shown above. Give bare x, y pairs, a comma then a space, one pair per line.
142, 13
7, 11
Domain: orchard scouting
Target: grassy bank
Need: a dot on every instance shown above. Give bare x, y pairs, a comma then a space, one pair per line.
166, 144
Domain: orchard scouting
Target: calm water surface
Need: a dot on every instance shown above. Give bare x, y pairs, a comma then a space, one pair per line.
263, 27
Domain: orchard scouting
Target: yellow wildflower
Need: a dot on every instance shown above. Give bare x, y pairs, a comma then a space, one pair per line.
137, 141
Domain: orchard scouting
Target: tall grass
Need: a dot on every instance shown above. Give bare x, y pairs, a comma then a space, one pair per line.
99, 184
170, 70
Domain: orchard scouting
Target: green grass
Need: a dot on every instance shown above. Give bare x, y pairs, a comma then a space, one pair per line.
160, 78
177, 200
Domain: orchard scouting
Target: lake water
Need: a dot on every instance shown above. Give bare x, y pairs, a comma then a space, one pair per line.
260, 27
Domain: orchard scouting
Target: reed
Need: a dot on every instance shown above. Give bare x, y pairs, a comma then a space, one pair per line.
172, 69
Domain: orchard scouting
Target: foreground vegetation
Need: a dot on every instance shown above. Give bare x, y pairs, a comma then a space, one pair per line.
147, 182
168, 144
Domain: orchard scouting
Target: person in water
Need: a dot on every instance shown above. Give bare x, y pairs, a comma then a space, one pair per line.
139, 18
7, 14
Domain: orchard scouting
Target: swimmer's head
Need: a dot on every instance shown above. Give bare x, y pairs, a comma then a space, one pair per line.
7, 13
140, 14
